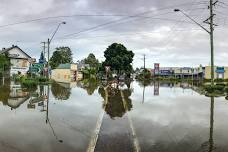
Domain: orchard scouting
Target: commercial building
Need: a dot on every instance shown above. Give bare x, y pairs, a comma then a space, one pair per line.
19, 60
220, 72
178, 72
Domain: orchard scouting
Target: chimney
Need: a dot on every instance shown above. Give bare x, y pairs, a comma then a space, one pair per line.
12, 45
3, 48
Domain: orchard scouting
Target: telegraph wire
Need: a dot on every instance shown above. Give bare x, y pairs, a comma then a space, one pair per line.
85, 15
136, 17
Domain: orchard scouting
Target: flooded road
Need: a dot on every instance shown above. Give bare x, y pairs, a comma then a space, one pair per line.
91, 116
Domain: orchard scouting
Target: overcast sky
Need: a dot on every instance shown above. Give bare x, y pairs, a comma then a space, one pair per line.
144, 26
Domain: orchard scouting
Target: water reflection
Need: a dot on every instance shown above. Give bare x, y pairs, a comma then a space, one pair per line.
12, 94
90, 85
117, 99
174, 119
208, 146
61, 91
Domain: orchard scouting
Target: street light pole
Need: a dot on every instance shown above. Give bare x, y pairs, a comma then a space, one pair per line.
210, 32
48, 46
48, 51
212, 40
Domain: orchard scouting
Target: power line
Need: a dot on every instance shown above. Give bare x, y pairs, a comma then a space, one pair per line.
132, 16
169, 39
133, 33
95, 28
81, 15
63, 16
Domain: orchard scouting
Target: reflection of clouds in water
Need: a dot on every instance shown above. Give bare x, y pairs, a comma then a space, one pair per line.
176, 118
79, 112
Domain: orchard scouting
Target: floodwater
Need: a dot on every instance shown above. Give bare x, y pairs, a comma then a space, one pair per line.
91, 116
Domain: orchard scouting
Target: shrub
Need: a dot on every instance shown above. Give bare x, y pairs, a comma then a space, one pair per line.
28, 82
226, 89
219, 80
214, 88
42, 79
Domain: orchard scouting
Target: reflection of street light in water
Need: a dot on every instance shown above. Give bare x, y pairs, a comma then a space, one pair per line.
211, 140
209, 145
47, 118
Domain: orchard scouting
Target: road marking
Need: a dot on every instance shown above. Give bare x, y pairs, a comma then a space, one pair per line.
93, 141
94, 138
135, 139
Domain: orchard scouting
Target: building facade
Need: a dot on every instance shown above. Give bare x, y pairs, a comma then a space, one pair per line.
19, 60
220, 72
65, 73
179, 72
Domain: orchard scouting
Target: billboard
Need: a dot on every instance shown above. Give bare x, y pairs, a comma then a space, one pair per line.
156, 68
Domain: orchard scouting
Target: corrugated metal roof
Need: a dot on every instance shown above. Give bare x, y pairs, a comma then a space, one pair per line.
64, 66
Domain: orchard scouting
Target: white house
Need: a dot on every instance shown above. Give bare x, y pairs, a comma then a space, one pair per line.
20, 61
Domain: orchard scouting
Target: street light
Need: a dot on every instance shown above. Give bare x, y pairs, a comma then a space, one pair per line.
211, 38
178, 10
49, 42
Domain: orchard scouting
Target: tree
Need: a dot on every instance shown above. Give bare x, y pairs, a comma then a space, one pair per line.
4, 62
60, 56
42, 59
119, 59
91, 60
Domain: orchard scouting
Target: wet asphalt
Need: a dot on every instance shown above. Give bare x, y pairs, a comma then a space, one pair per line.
115, 135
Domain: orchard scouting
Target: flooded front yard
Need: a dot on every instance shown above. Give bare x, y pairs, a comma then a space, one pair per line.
91, 116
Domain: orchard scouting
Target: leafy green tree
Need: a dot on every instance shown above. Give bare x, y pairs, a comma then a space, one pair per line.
91, 60
119, 59
145, 74
4, 62
60, 56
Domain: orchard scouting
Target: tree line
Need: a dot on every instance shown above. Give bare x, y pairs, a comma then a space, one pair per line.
117, 57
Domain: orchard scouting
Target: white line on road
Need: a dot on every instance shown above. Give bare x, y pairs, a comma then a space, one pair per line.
93, 141
135, 139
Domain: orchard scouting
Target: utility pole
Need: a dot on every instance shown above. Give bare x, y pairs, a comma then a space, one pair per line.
48, 47
144, 65
44, 48
209, 21
144, 61
212, 39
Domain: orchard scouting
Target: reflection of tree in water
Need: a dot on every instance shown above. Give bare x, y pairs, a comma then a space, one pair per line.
144, 83
5, 91
114, 106
90, 85
60, 92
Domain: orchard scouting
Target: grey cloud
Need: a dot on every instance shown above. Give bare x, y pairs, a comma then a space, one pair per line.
170, 38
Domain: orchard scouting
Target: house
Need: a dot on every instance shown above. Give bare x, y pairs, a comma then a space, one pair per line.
81, 65
19, 60
66, 73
